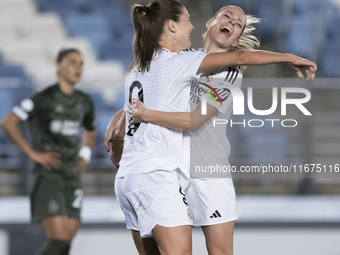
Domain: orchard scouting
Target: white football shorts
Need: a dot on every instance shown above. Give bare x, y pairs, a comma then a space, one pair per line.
150, 199
212, 201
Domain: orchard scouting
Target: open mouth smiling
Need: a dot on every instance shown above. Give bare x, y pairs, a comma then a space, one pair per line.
226, 30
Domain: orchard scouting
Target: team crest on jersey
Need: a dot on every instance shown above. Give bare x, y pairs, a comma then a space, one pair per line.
207, 78
59, 109
189, 214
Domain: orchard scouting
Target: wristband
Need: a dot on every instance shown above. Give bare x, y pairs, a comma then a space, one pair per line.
85, 152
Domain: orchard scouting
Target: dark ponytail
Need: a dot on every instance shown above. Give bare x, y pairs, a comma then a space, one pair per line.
149, 24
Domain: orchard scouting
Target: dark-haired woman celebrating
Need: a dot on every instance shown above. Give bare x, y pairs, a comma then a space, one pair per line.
153, 174
56, 115
211, 197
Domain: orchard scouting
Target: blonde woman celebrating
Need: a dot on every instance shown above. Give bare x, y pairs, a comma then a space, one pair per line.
153, 171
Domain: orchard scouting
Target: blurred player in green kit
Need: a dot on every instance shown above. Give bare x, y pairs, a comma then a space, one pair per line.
55, 116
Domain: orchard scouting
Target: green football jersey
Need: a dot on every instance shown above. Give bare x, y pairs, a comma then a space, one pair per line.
55, 120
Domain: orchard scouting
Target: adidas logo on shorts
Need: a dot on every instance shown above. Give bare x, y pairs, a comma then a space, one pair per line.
216, 214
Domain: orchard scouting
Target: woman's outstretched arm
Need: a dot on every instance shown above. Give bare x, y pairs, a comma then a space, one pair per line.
258, 57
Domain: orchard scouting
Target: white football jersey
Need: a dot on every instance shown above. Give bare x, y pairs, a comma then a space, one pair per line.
166, 87
209, 146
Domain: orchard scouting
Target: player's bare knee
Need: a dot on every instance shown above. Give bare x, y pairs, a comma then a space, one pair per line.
181, 250
62, 236
184, 252
219, 251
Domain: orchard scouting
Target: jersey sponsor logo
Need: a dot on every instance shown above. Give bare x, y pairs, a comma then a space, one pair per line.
216, 214
223, 93
65, 127
218, 94
27, 105
209, 93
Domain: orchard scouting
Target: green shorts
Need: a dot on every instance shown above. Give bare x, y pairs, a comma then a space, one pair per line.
53, 194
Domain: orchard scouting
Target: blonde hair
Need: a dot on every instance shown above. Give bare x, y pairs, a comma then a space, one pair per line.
246, 40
